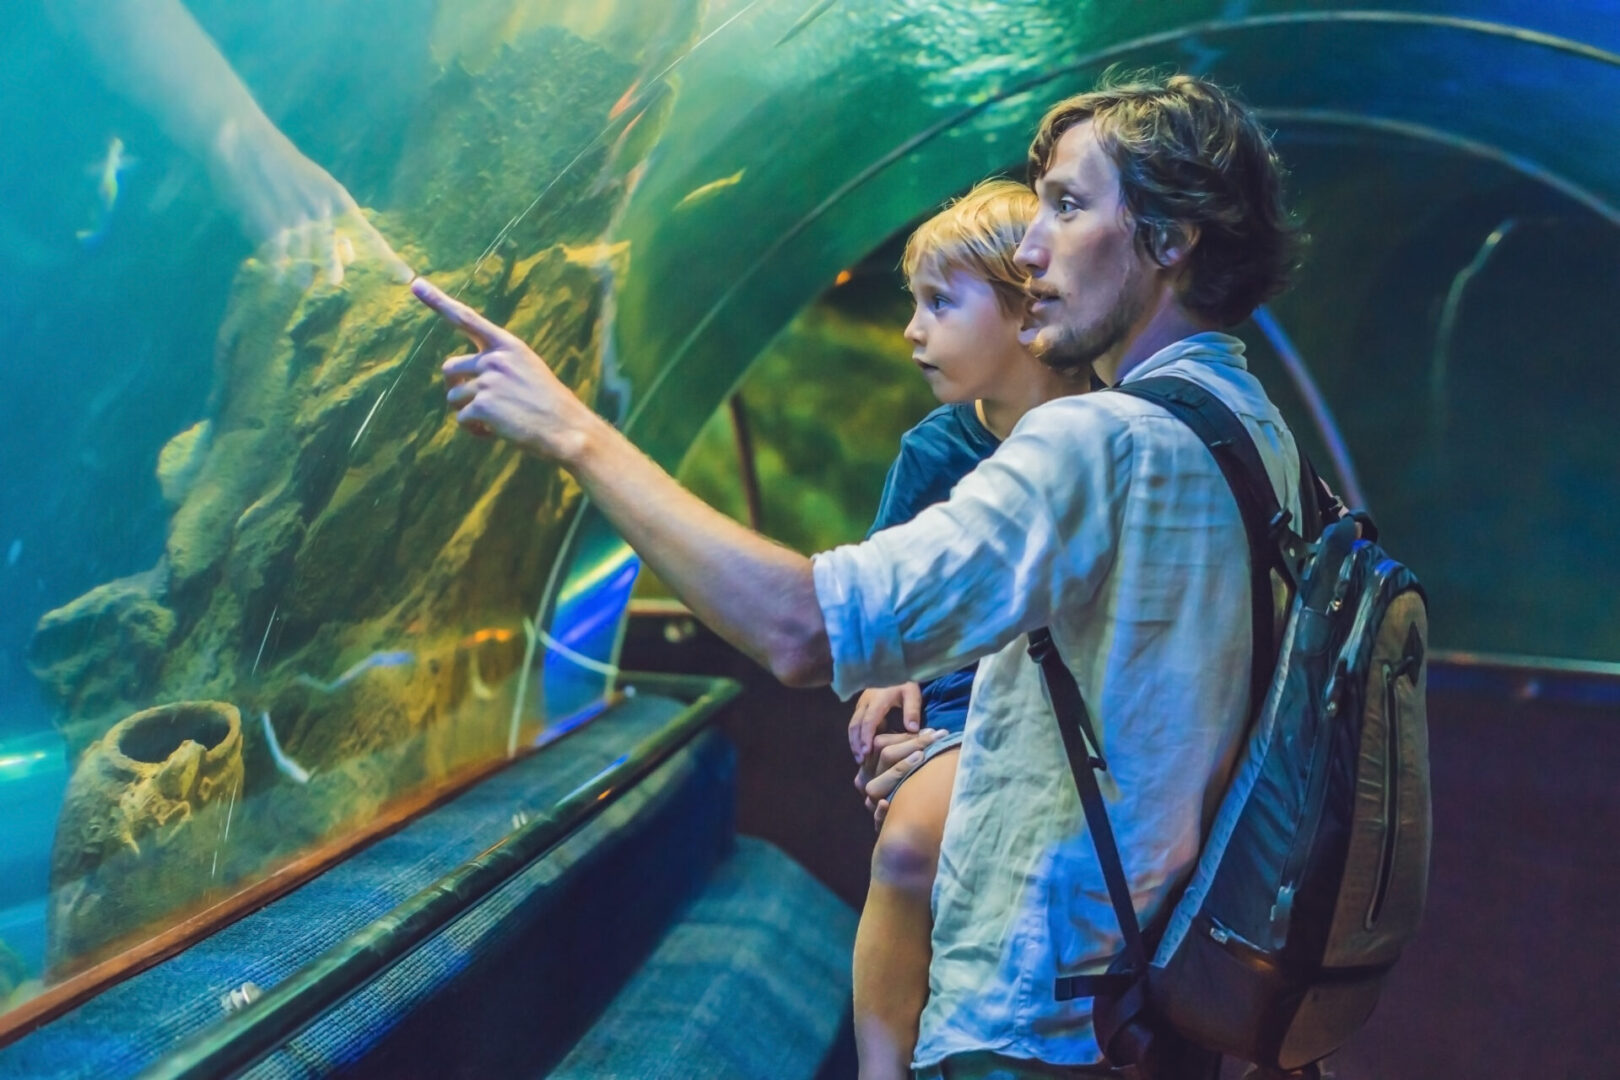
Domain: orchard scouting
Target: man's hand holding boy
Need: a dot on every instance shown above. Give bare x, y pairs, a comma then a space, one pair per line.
894, 757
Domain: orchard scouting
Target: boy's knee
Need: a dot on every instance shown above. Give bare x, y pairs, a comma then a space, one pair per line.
904, 857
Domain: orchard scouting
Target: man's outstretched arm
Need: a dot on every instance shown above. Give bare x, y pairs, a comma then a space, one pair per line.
755, 593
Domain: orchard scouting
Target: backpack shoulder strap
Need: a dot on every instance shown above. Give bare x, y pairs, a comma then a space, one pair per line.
1084, 752
1264, 520
1318, 505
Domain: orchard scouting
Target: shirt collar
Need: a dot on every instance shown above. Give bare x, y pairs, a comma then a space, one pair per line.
1206, 348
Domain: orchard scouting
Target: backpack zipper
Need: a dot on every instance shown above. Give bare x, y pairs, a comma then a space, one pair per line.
1238, 946
1282, 910
1392, 788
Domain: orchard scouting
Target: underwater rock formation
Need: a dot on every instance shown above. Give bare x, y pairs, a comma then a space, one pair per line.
92, 652
336, 513
180, 459
340, 558
13, 975
133, 841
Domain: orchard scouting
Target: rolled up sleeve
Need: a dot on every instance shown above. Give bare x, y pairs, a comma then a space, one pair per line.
864, 635
1032, 528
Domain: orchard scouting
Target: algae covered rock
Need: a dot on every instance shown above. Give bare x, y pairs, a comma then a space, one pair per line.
104, 651
180, 459
13, 973
343, 565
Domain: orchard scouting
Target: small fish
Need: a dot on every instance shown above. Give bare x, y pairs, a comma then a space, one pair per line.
711, 189
114, 165
578, 659
613, 165
625, 100
633, 178
489, 633
637, 124
480, 688
398, 658
804, 21
108, 172
288, 767
14, 552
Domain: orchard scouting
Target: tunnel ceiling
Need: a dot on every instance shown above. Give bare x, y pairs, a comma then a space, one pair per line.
841, 129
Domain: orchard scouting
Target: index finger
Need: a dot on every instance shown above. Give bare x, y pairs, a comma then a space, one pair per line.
482, 332
883, 785
911, 706
895, 753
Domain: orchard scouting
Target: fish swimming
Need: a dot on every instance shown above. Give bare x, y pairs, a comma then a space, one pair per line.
107, 173
288, 767
480, 688
625, 100
612, 166
578, 659
711, 189
398, 658
804, 21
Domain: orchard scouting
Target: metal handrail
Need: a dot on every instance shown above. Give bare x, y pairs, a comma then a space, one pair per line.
1525, 679
237, 1042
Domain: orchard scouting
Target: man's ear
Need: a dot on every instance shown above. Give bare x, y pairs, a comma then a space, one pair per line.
1170, 245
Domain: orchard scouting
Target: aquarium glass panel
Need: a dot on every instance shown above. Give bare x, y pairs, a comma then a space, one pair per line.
261, 596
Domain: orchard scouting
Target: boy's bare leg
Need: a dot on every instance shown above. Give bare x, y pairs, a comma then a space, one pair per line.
892, 942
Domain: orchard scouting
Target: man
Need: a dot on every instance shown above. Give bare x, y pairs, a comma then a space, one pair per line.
1160, 221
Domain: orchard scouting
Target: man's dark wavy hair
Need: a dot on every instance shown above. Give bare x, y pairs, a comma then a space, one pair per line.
1191, 156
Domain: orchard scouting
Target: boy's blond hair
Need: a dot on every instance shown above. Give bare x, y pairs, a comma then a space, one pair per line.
977, 234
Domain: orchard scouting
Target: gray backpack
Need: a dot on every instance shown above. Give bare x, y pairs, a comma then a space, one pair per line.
1314, 874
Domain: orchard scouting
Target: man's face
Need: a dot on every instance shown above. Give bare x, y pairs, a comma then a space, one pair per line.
1090, 282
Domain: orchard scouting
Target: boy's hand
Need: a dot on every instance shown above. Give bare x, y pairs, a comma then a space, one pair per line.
876, 704
894, 757
505, 389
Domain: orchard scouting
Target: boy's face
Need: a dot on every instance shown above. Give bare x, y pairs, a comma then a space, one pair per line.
963, 340
1090, 281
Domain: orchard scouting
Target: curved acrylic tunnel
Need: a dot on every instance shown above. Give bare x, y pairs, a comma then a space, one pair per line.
373, 611
895, 107
1413, 133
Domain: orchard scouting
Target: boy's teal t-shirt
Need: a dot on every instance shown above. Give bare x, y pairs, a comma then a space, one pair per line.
948, 444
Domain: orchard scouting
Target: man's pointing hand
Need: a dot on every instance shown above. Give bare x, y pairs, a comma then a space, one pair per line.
505, 389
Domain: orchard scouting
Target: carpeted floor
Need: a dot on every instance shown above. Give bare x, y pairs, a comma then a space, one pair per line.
1514, 976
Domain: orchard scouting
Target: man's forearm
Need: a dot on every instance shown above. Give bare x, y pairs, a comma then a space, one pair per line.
755, 593
153, 52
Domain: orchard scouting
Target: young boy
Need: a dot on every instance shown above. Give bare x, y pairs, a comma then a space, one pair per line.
970, 306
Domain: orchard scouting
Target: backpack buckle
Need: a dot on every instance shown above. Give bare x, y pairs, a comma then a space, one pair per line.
1040, 646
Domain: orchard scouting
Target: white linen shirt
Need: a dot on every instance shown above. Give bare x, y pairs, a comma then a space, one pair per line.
1105, 518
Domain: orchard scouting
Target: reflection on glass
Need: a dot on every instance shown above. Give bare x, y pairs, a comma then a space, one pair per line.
324, 606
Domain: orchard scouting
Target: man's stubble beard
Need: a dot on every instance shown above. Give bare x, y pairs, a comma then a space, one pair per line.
1073, 352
